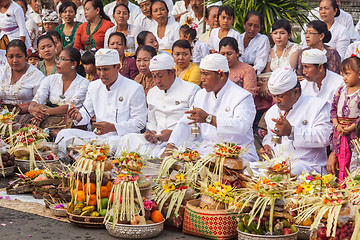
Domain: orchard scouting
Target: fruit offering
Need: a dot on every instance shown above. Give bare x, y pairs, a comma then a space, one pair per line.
7, 160
343, 232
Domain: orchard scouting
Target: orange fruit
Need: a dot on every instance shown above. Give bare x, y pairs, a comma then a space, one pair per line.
78, 185
307, 222
109, 185
104, 192
80, 196
74, 192
111, 198
92, 200
92, 188
156, 216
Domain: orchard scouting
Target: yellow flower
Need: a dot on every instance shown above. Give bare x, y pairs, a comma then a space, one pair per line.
328, 178
168, 188
227, 188
180, 177
217, 184
221, 194
308, 188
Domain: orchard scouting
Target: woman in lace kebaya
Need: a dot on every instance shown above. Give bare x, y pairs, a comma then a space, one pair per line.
284, 53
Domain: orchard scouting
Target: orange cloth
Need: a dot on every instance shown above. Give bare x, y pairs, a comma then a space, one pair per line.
81, 36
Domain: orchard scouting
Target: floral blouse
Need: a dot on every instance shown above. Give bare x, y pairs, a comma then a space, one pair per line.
68, 40
23, 90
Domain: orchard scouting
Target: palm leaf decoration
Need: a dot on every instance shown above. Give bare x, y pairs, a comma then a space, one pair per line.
296, 12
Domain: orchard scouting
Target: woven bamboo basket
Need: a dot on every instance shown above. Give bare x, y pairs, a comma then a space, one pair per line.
86, 221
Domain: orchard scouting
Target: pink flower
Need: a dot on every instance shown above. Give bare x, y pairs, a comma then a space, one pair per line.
310, 177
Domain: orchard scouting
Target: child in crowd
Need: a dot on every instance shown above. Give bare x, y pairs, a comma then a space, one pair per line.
57, 40
200, 49
88, 61
33, 56
50, 20
345, 112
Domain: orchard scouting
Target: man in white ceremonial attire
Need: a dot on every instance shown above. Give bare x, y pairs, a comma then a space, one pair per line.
167, 102
302, 122
224, 112
118, 104
319, 81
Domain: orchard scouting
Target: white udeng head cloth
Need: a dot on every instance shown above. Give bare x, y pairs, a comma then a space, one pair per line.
314, 56
105, 57
282, 80
140, 1
162, 61
215, 62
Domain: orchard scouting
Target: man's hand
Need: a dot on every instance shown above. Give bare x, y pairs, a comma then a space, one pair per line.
282, 126
104, 127
332, 164
266, 150
74, 114
197, 115
164, 135
300, 78
168, 150
213, 51
150, 136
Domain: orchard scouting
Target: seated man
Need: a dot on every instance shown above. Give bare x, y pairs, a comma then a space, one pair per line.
224, 112
319, 81
117, 103
167, 102
302, 122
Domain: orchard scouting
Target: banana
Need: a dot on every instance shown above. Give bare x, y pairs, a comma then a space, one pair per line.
88, 208
85, 213
94, 214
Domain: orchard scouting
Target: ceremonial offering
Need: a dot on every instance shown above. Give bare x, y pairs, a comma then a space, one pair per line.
217, 196
59, 209
90, 186
7, 164
7, 121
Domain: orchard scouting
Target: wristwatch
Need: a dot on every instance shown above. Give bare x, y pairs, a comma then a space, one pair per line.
209, 119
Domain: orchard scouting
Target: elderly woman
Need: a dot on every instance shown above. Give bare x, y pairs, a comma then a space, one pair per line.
58, 92
12, 22
91, 34
166, 31
121, 16
143, 56
254, 47
19, 80
68, 29
340, 37
316, 35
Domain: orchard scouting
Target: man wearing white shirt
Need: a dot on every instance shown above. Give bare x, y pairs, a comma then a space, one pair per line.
302, 123
224, 112
144, 20
196, 15
118, 104
134, 10
33, 12
319, 81
167, 102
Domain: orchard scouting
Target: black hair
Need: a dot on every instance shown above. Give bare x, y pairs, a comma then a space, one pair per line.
321, 27
167, 9
282, 23
55, 34
123, 38
229, 41
188, 31
24, 2
141, 37
227, 9
98, 4
336, 7
43, 37
208, 9
75, 56
127, 8
182, 44
67, 4
146, 48
17, 43
298, 85
88, 58
255, 13
352, 63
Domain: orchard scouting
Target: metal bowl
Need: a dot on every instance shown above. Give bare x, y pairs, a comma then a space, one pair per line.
249, 236
24, 165
127, 231
58, 212
304, 232
7, 171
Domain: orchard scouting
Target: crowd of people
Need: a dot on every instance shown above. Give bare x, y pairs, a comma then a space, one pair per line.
144, 76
